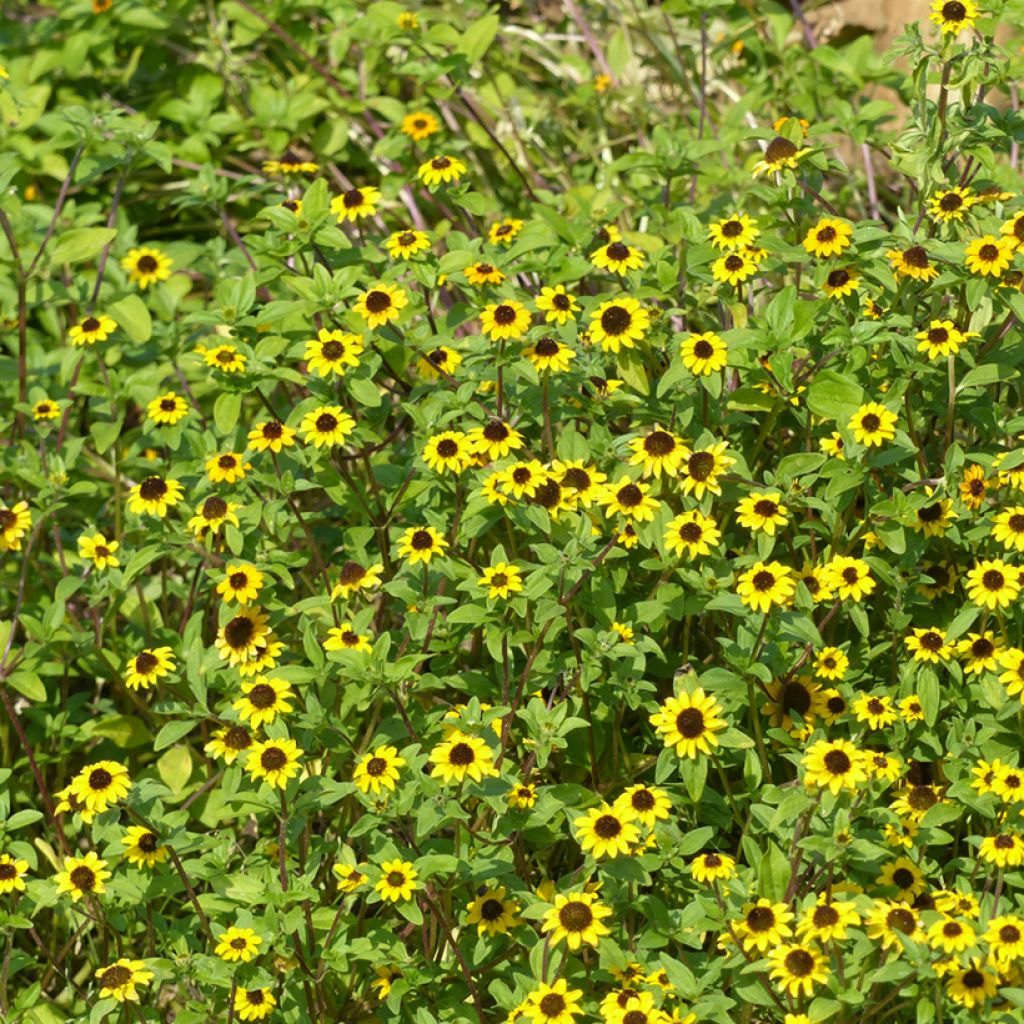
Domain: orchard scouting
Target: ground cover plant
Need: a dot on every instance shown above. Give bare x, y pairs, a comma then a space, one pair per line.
510, 513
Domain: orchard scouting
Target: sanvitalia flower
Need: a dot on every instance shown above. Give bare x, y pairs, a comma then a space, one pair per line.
147, 266
168, 409
1011, 661
606, 832
659, 451
905, 876
461, 756
290, 163
836, 765
1013, 230
504, 320
504, 231
437, 361
397, 881
993, 583
449, 451
495, 439
271, 435
934, 518
381, 304
942, 339
378, 770
646, 804
630, 498
354, 577
734, 267
828, 920
239, 640
154, 496
689, 722
737, 231
974, 984
44, 410
692, 534
522, 796
780, 154
762, 512
211, 516
557, 305
577, 919
797, 969
119, 980
254, 1003
332, 352
101, 784
1005, 939
617, 257
829, 237
878, 712
699, 469
420, 125
327, 425
950, 204
953, 15
14, 524
618, 323
501, 580
264, 698
989, 255
345, 638
238, 944
764, 925
549, 354
92, 329
101, 551
492, 913
421, 544
350, 878
912, 262
841, 281
712, 867
12, 874
407, 244
229, 742
765, 585
441, 170
831, 663
929, 645
228, 468
483, 273
554, 1004
872, 424
850, 578
148, 667
274, 761
82, 876
704, 354
143, 847
1008, 528
890, 922
1005, 849
225, 358
356, 203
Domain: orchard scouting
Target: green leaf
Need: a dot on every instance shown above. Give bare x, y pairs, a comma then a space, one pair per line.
226, 410
834, 396
80, 244
773, 874
132, 314
171, 733
105, 434
28, 684
175, 768
477, 39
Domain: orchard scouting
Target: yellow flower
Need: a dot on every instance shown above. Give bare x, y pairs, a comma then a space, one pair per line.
631, 499
692, 534
406, 244
14, 524
606, 832
733, 267
765, 585
154, 496
264, 698
618, 323
950, 204
118, 981
828, 238
238, 944
290, 163
228, 468
356, 203
704, 354
225, 358
912, 262
99, 549
381, 304
421, 544
345, 638
953, 15
82, 876
872, 424
332, 352
557, 305
502, 320
460, 756
689, 723
797, 969
168, 409
993, 584
942, 339
762, 512
12, 874
92, 329
554, 1004
420, 125
737, 231
45, 409
764, 925
501, 580
834, 764
378, 770
327, 425
989, 255
841, 282
354, 577
397, 882
441, 170
271, 435
483, 273
274, 761
550, 354
780, 154
712, 867
254, 1003
617, 257
492, 913
147, 266
505, 231
578, 919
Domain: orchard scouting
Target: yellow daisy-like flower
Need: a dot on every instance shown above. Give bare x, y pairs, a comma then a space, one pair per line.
646, 804
556, 1003
354, 577
228, 468
228, 743
765, 585
492, 913
168, 409
993, 583
82, 876
953, 16
240, 639
711, 867
630, 498
950, 204
942, 338
929, 645
274, 761
1008, 528
241, 583
91, 330
154, 496
271, 435
1004, 850
1013, 231
849, 578
143, 847
378, 770
503, 320
504, 231
989, 255
345, 638
557, 305
828, 920
100, 785
764, 925
734, 267
441, 170
704, 354
737, 231
657, 452
912, 262
350, 878
238, 945
872, 424
934, 518
831, 663
836, 765
211, 516
326, 425
522, 796
606, 832
483, 273
381, 304
332, 352
225, 358
841, 282
617, 257
797, 969
618, 323
290, 163
780, 154
829, 237
878, 712
450, 451
12, 874
501, 580
692, 534
147, 266
264, 698
689, 723
549, 354
14, 524
420, 125
421, 544
576, 919
101, 551
44, 410
406, 244
460, 756
119, 980
148, 667
356, 203
762, 512
254, 1003
397, 882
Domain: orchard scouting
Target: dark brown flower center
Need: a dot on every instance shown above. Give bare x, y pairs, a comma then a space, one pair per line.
920, 798
993, 579
115, 977
575, 916
703, 349
504, 315
147, 842
547, 347
916, 257
262, 696
576, 478
332, 350
83, 878
1009, 933
989, 253
766, 508
168, 404
982, 648
763, 581
552, 1005
733, 262
377, 301
825, 916
607, 826
838, 278
795, 697
7, 871
326, 422
659, 443
491, 910
376, 767
616, 320
561, 301
903, 878
931, 641
352, 199
838, 762
700, 465
147, 264
351, 572
951, 200
930, 513
99, 779
422, 540
461, 755
440, 163
779, 149
900, 920
761, 919
732, 228
629, 496
690, 532
826, 234
237, 738
447, 448
799, 963
495, 431
214, 508
152, 489
239, 631
273, 759
617, 252
690, 723
227, 462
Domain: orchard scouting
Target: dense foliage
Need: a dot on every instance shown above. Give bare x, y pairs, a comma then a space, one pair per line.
510, 513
